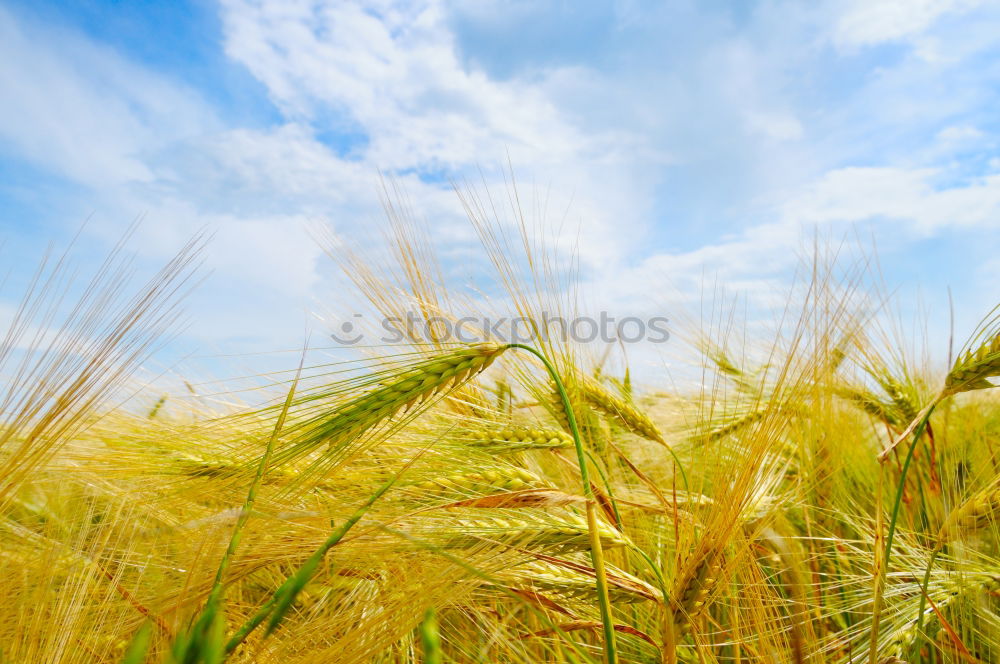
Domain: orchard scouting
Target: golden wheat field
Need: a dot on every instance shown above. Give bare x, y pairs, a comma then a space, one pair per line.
815, 493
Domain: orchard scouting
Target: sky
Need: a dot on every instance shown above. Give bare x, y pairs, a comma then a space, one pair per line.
676, 144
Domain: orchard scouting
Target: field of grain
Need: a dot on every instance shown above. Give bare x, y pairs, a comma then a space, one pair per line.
818, 494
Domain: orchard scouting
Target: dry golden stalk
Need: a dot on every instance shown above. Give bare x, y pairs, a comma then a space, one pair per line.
626, 413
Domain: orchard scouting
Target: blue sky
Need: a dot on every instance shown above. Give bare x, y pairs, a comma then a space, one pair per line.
684, 139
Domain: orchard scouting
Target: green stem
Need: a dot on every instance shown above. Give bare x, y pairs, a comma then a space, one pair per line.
234, 542
286, 593
655, 569
923, 592
209, 620
596, 552
880, 581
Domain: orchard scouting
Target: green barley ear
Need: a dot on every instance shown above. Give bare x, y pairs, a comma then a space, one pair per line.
978, 512
154, 411
869, 402
979, 362
410, 387
626, 413
517, 438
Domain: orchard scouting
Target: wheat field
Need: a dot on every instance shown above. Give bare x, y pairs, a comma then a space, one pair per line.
812, 494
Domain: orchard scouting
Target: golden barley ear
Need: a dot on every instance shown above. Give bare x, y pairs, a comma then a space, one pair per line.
571, 578
693, 587
526, 529
486, 479
950, 591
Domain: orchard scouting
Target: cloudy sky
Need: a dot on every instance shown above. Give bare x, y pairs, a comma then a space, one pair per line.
680, 141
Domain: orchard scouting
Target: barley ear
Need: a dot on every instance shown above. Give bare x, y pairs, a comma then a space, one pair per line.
974, 367
972, 370
694, 587
976, 513
515, 439
410, 387
628, 415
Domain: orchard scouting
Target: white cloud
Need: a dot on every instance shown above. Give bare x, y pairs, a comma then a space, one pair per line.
905, 195
959, 134
610, 148
80, 110
394, 71
393, 67
870, 22
779, 126
894, 205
